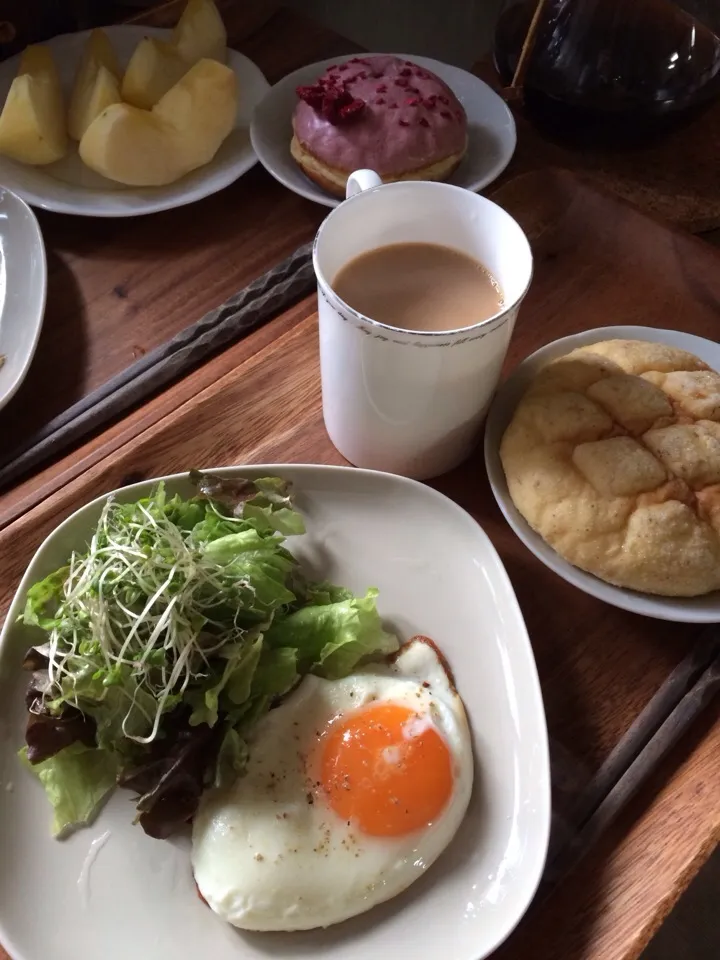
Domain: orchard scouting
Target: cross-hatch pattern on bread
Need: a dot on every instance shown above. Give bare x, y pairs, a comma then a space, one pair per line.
613, 457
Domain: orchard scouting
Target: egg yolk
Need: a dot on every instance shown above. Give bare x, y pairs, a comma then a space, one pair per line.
387, 769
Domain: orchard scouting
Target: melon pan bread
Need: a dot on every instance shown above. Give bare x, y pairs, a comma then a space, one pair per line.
613, 457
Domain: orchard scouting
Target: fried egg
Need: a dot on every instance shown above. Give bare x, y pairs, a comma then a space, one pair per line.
353, 789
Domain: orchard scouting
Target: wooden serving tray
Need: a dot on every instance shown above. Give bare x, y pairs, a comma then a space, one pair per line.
598, 262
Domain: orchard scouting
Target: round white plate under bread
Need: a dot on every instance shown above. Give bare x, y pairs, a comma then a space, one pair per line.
110, 891
23, 287
68, 186
705, 609
491, 128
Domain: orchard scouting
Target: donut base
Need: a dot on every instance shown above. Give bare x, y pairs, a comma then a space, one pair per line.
334, 180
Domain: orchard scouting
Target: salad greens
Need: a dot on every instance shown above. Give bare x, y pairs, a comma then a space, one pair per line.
165, 642
77, 781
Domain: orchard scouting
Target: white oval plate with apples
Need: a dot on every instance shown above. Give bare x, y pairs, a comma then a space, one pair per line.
111, 891
68, 186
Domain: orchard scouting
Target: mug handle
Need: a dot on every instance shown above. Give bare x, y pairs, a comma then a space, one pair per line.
361, 180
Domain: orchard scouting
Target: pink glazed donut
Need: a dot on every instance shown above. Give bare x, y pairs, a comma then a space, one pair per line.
379, 113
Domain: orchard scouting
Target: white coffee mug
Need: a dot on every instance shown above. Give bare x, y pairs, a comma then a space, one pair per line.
398, 400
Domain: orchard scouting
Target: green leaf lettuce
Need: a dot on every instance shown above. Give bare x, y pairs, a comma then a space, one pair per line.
77, 781
332, 639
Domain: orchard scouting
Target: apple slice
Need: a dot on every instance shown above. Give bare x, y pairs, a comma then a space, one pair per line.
200, 32
154, 68
105, 92
183, 131
98, 53
32, 123
202, 108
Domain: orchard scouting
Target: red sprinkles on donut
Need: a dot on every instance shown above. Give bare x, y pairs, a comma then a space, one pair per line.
348, 120
334, 103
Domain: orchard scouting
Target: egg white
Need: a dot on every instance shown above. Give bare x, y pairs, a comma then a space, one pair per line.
268, 854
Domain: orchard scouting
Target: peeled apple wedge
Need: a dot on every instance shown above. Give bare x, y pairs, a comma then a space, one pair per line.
154, 68
183, 131
32, 123
105, 92
98, 53
200, 32
202, 106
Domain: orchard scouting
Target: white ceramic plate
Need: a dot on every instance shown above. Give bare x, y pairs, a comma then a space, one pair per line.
694, 610
112, 892
23, 286
68, 186
491, 128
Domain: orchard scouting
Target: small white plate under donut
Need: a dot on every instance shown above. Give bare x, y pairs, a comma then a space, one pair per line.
491, 128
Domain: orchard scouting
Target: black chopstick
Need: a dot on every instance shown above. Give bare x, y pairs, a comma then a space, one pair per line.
253, 306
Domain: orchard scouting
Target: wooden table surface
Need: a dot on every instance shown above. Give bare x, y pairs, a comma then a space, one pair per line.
120, 285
